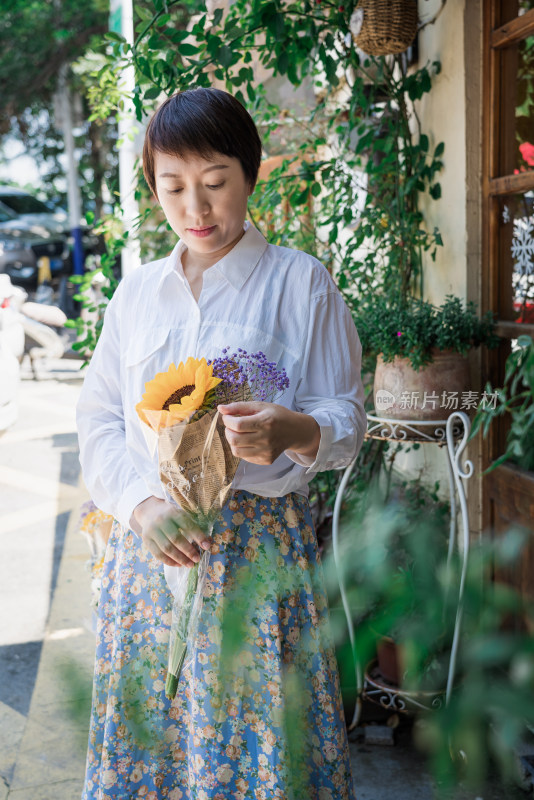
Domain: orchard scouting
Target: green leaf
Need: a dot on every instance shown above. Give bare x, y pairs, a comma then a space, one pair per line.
187, 49
225, 56
155, 42
114, 37
177, 35
276, 25
330, 67
217, 16
152, 93
439, 150
213, 44
283, 62
233, 32
143, 13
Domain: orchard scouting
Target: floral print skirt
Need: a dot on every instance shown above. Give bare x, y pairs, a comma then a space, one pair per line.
268, 722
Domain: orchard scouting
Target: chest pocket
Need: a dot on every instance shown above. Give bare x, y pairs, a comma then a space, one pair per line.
216, 338
146, 342
146, 355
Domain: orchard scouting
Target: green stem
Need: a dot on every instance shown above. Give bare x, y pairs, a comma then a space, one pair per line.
173, 678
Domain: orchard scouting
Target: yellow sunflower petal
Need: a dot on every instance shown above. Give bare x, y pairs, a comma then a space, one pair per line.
162, 384
194, 372
140, 410
191, 366
179, 412
193, 401
156, 418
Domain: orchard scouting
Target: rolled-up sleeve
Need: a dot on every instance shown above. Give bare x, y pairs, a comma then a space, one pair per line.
108, 471
330, 388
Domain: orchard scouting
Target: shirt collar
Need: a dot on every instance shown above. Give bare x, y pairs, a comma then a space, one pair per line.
236, 266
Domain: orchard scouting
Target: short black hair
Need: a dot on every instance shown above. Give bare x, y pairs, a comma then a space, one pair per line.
202, 121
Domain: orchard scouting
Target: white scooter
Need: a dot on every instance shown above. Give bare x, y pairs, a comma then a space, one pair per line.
33, 329
44, 332
11, 350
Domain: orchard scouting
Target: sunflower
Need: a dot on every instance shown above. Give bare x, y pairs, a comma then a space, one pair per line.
175, 395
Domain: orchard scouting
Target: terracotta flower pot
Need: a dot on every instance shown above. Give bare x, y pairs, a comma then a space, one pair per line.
432, 392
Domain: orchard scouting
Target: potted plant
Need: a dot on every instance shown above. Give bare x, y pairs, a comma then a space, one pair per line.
421, 350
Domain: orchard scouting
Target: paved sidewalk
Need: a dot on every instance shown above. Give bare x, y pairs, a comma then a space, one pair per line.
44, 593
50, 755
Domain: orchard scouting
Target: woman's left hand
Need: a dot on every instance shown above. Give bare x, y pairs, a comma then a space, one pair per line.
259, 432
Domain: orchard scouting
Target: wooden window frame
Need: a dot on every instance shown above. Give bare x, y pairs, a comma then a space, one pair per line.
497, 37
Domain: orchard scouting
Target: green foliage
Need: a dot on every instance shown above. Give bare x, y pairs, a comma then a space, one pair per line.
412, 329
395, 571
398, 579
36, 38
356, 142
516, 399
100, 280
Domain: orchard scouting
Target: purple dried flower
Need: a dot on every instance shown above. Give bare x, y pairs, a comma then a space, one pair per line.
247, 374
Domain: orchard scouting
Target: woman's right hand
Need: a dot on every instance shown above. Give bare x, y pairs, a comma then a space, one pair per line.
159, 525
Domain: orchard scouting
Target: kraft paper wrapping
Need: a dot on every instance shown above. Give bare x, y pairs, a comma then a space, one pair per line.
196, 463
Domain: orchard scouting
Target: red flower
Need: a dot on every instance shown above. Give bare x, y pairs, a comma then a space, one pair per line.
527, 151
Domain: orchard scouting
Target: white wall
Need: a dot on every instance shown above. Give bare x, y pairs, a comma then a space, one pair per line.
442, 114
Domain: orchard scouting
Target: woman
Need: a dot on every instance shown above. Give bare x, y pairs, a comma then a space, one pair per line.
222, 286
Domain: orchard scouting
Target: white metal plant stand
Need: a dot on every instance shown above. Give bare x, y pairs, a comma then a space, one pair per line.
452, 433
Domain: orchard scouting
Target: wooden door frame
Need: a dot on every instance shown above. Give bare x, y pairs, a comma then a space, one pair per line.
484, 40
473, 63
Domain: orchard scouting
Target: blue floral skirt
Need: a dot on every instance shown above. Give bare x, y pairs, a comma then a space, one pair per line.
268, 722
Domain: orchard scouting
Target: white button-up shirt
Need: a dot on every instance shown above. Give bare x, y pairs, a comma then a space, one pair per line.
258, 297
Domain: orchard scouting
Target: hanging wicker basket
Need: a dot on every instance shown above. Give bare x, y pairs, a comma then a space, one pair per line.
387, 26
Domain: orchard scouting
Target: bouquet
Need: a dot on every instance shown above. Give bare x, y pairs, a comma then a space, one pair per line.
95, 525
196, 464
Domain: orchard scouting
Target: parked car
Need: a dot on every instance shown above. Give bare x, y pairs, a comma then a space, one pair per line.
55, 221
23, 244
32, 210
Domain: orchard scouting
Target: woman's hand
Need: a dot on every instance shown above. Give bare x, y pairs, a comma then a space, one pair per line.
259, 432
168, 533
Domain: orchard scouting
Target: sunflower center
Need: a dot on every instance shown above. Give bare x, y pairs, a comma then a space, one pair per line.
177, 396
